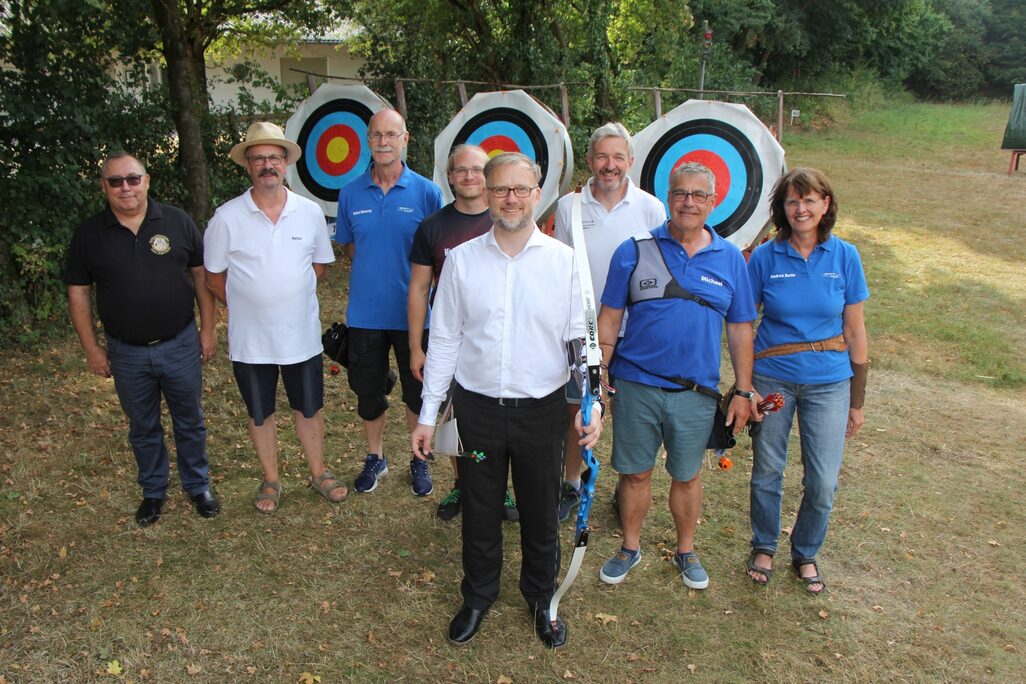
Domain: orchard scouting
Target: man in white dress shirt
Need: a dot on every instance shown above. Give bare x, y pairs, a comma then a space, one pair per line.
507, 304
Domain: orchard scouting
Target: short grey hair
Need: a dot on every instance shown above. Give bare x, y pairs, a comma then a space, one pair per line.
458, 150
507, 158
694, 169
120, 154
613, 129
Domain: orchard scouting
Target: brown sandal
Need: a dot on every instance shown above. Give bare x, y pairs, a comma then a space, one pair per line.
325, 490
274, 496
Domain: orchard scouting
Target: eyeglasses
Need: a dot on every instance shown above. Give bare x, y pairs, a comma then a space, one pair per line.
808, 202
468, 171
116, 181
698, 196
262, 159
502, 191
391, 136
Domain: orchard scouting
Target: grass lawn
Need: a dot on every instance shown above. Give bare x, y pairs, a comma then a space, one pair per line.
922, 558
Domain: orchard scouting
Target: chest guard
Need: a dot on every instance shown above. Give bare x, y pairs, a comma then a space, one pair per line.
651, 278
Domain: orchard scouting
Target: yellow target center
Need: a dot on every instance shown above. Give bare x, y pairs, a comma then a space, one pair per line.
337, 150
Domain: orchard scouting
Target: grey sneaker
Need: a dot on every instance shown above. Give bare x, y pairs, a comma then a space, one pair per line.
569, 499
616, 568
691, 570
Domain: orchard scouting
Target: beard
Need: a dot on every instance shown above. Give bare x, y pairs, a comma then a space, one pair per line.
610, 185
512, 226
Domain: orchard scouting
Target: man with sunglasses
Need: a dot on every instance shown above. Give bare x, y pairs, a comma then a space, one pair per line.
378, 214
145, 260
678, 284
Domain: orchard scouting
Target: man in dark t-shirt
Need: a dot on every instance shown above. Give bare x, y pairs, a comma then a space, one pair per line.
465, 218
139, 255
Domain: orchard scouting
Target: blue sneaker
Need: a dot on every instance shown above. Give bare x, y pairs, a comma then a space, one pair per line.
616, 568
569, 499
374, 468
691, 570
420, 478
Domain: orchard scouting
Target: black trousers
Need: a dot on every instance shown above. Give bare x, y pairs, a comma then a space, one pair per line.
528, 440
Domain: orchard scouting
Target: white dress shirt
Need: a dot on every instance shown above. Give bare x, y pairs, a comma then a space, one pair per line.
500, 324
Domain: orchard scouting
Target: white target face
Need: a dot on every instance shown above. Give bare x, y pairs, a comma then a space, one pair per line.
728, 139
331, 129
510, 121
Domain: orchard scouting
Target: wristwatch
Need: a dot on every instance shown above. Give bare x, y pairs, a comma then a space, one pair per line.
742, 393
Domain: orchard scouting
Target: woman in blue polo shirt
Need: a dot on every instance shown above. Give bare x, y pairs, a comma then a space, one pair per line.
811, 348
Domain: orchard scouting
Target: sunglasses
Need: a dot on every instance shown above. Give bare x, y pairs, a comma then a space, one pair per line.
116, 181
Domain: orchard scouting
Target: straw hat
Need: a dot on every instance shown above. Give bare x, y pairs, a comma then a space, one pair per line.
264, 133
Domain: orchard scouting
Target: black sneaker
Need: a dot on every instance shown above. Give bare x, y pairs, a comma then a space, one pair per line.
450, 506
569, 499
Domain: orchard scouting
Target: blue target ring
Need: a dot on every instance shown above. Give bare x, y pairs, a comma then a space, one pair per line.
349, 116
727, 152
490, 127
727, 203
491, 133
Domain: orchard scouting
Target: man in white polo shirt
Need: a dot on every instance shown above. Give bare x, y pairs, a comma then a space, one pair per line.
613, 209
264, 252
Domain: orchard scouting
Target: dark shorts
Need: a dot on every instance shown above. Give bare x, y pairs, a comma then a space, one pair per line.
368, 369
258, 384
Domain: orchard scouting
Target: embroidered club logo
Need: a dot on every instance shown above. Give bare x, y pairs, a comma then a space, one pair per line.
160, 244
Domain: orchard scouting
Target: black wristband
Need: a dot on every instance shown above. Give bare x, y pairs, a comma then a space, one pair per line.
742, 393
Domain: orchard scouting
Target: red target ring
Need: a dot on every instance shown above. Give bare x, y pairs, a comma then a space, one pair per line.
338, 149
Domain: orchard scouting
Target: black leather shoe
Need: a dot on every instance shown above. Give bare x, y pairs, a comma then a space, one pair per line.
206, 504
465, 624
552, 635
148, 512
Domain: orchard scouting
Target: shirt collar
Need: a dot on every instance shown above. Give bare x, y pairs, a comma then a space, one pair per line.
153, 212
784, 247
290, 205
537, 238
663, 233
588, 198
401, 182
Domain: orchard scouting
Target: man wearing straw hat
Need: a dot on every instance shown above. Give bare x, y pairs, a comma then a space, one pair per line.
265, 250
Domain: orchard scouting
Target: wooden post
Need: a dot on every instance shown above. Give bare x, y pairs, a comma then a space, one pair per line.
657, 100
462, 88
400, 97
780, 116
564, 101
311, 83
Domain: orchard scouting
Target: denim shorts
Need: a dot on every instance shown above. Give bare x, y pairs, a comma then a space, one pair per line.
258, 384
647, 417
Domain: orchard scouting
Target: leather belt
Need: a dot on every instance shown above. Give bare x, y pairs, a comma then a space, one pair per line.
512, 402
833, 344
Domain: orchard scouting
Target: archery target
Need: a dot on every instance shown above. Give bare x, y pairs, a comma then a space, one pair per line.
728, 139
510, 121
331, 129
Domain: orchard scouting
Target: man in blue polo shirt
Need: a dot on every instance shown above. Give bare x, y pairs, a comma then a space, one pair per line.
378, 214
678, 285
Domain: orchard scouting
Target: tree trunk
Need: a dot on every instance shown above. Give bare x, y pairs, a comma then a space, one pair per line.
187, 89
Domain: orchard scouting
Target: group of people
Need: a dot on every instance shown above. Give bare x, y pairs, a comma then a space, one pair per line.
482, 309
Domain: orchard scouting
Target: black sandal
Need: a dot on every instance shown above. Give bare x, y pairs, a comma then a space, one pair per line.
809, 581
752, 567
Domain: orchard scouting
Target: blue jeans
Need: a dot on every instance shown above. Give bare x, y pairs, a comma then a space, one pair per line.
822, 421
141, 375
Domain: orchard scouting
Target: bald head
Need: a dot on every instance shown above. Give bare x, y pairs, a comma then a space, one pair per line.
387, 134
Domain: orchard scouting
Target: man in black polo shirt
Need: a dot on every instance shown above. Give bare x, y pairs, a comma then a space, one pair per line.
139, 253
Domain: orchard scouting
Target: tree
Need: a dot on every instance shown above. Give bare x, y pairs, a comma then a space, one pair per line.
188, 28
